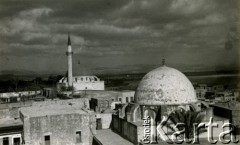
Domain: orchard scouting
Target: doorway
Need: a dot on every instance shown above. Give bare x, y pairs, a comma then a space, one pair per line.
99, 123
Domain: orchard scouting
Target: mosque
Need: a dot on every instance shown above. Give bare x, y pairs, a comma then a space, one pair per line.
160, 92
78, 83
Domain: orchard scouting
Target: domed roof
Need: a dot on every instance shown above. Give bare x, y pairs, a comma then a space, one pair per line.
165, 86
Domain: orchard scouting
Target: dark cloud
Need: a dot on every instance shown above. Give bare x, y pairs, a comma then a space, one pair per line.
113, 34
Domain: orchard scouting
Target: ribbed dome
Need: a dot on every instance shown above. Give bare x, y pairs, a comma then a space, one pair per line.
165, 86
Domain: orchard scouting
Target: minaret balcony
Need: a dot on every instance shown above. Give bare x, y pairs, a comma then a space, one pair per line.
69, 53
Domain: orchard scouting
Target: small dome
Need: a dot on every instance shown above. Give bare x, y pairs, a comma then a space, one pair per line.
165, 86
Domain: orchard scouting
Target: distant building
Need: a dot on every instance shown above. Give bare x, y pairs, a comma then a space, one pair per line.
13, 97
218, 88
100, 104
50, 93
82, 83
126, 96
102, 100
77, 83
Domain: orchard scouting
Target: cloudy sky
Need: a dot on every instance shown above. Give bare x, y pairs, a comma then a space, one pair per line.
118, 35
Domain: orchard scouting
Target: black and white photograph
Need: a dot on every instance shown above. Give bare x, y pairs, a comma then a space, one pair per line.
119, 72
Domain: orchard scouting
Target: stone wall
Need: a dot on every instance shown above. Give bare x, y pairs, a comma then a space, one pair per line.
81, 102
12, 110
106, 119
126, 129
61, 129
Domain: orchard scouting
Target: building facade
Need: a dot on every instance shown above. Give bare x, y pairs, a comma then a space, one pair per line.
58, 123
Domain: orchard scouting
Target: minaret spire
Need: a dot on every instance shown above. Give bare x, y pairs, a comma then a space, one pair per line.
69, 55
69, 40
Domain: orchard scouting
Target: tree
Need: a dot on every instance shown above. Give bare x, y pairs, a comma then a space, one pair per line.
188, 118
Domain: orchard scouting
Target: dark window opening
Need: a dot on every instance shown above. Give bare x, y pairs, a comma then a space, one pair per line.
47, 139
127, 99
16, 141
131, 99
78, 137
5, 141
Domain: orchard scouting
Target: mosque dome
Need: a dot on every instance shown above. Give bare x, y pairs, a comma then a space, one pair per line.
165, 86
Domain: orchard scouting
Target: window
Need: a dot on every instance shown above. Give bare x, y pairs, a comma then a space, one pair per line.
131, 99
127, 99
120, 99
5, 141
16, 141
47, 139
78, 137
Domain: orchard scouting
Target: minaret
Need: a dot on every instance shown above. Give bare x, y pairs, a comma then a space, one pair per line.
69, 54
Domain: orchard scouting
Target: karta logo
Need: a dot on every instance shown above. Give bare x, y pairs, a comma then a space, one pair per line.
179, 136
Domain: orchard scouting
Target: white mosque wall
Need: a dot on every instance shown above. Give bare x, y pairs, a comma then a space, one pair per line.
88, 85
82, 83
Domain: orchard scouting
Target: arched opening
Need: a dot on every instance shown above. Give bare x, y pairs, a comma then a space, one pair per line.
136, 114
151, 114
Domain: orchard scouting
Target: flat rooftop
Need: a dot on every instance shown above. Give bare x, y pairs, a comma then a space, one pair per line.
10, 122
16, 105
54, 109
108, 137
97, 91
227, 106
10, 126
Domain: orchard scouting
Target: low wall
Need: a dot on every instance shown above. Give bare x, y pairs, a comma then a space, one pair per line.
106, 119
81, 102
126, 129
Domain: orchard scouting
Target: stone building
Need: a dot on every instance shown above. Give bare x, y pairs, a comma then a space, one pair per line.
58, 123
101, 104
10, 125
126, 96
13, 97
49, 93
